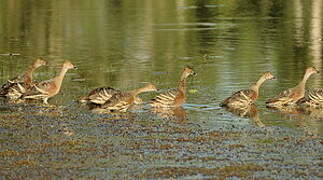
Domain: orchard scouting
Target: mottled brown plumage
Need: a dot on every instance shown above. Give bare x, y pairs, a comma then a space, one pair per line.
173, 97
290, 96
121, 101
14, 88
47, 89
101, 95
246, 97
313, 99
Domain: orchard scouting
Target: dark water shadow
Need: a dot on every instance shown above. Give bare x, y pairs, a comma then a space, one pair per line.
250, 112
178, 114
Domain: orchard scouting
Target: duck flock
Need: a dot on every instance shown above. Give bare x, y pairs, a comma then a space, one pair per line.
24, 88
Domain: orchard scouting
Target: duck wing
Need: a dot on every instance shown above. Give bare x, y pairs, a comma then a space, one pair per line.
14, 90
284, 96
11, 83
100, 95
313, 98
41, 88
245, 96
166, 99
16, 79
119, 102
315, 95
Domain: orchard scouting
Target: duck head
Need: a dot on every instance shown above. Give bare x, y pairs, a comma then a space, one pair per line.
40, 62
269, 76
68, 65
188, 71
311, 70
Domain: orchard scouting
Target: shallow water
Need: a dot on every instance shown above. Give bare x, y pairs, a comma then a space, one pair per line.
125, 44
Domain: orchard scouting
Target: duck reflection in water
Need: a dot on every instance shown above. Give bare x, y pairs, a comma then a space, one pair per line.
177, 113
249, 111
315, 113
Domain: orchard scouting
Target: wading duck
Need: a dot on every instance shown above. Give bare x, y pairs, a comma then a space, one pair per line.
290, 96
313, 99
121, 101
101, 95
15, 87
246, 97
174, 97
47, 89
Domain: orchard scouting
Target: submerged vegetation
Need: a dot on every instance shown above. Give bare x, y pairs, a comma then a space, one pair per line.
125, 44
81, 144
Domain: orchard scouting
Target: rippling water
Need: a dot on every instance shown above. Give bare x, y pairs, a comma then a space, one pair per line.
125, 44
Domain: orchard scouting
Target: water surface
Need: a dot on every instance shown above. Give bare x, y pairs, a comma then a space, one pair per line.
125, 44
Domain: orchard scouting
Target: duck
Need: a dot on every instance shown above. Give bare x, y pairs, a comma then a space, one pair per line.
47, 89
14, 88
313, 99
120, 101
174, 97
247, 97
290, 96
101, 95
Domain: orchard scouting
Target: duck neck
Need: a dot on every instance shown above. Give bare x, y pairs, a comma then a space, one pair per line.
255, 87
137, 91
59, 79
301, 85
182, 84
28, 74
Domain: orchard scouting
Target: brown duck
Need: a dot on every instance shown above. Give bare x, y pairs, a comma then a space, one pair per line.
174, 97
101, 95
16, 87
47, 89
290, 96
121, 101
313, 99
246, 97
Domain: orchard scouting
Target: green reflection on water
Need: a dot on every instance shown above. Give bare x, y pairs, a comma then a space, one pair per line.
126, 43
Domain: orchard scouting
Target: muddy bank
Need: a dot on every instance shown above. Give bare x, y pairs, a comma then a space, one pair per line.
38, 142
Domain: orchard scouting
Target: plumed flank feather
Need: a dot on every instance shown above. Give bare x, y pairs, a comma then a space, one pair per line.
166, 98
239, 99
5, 88
43, 87
121, 101
313, 98
14, 91
174, 97
14, 88
99, 95
285, 98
